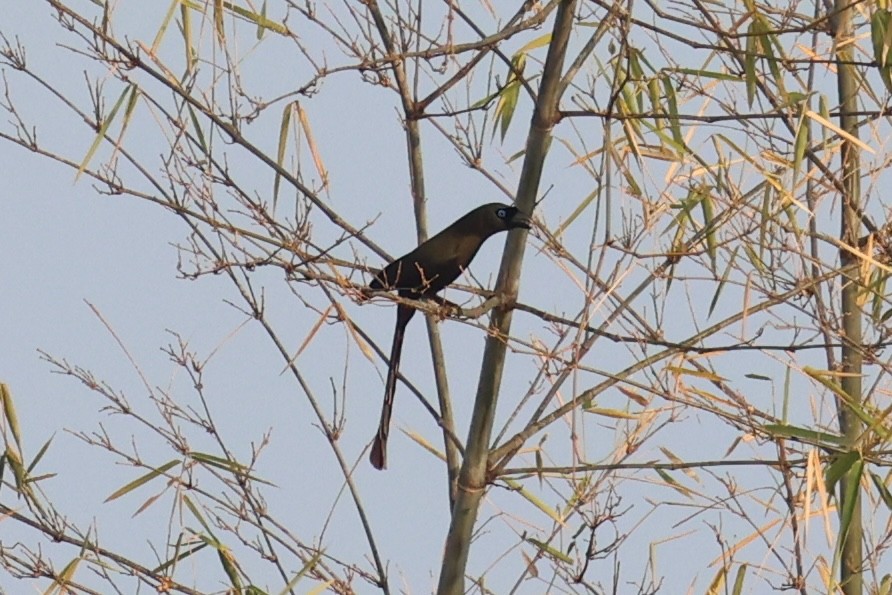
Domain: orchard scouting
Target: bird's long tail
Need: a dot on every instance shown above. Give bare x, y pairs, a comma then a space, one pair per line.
378, 456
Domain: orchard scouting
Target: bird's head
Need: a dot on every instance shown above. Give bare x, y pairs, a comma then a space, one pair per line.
498, 217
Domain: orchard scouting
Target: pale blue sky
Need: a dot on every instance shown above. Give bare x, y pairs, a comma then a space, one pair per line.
65, 246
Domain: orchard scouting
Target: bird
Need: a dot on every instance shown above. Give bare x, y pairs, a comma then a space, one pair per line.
422, 273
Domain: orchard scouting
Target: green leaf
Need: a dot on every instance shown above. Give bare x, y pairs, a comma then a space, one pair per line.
139, 481
842, 464
196, 126
717, 586
260, 19
227, 560
165, 23
851, 497
811, 436
310, 565
826, 379
885, 585
535, 44
880, 485
710, 74
509, 95
799, 145
672, 111
18, 469
723, 281
61, 580
673, 483
533, 499
757, 377
197, 514
738, 580
103, 129
179, 556
749, 64
283, 145
261, 29
880, 33
40, 454
233, 467
9, 412
710, 223
549, 550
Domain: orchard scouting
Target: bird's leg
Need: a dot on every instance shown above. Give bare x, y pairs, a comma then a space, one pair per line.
446, 309
478, 311
378, 456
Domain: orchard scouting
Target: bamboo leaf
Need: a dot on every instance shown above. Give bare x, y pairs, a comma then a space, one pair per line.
811, 436
199, 133
18, 469
822, 377
9, 412
60, 582
722, 282
880, 485
709, 222
311, 144
197, 514
737, 589
799, 146
880, 37
149, 501
103, 129
227, 560
579, 210
233, 467
218, 20
509, 95
537, 502
612, 413
710, 74
842, 464
186, 30
673, 484
165, 23
749, 64
535, 44
672, 111
679, 371
261, 29
40, 454
179, 556
839, 131
850, 499
280, 150
310, 565
549, 550
142, 480
321, 588
717, 586
260, 19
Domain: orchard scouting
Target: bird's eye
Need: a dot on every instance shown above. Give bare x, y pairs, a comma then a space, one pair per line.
502, 213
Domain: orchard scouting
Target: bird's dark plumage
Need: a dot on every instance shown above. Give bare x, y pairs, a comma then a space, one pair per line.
422, 273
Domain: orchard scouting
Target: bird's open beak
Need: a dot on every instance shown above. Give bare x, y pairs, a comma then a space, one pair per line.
521, 220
